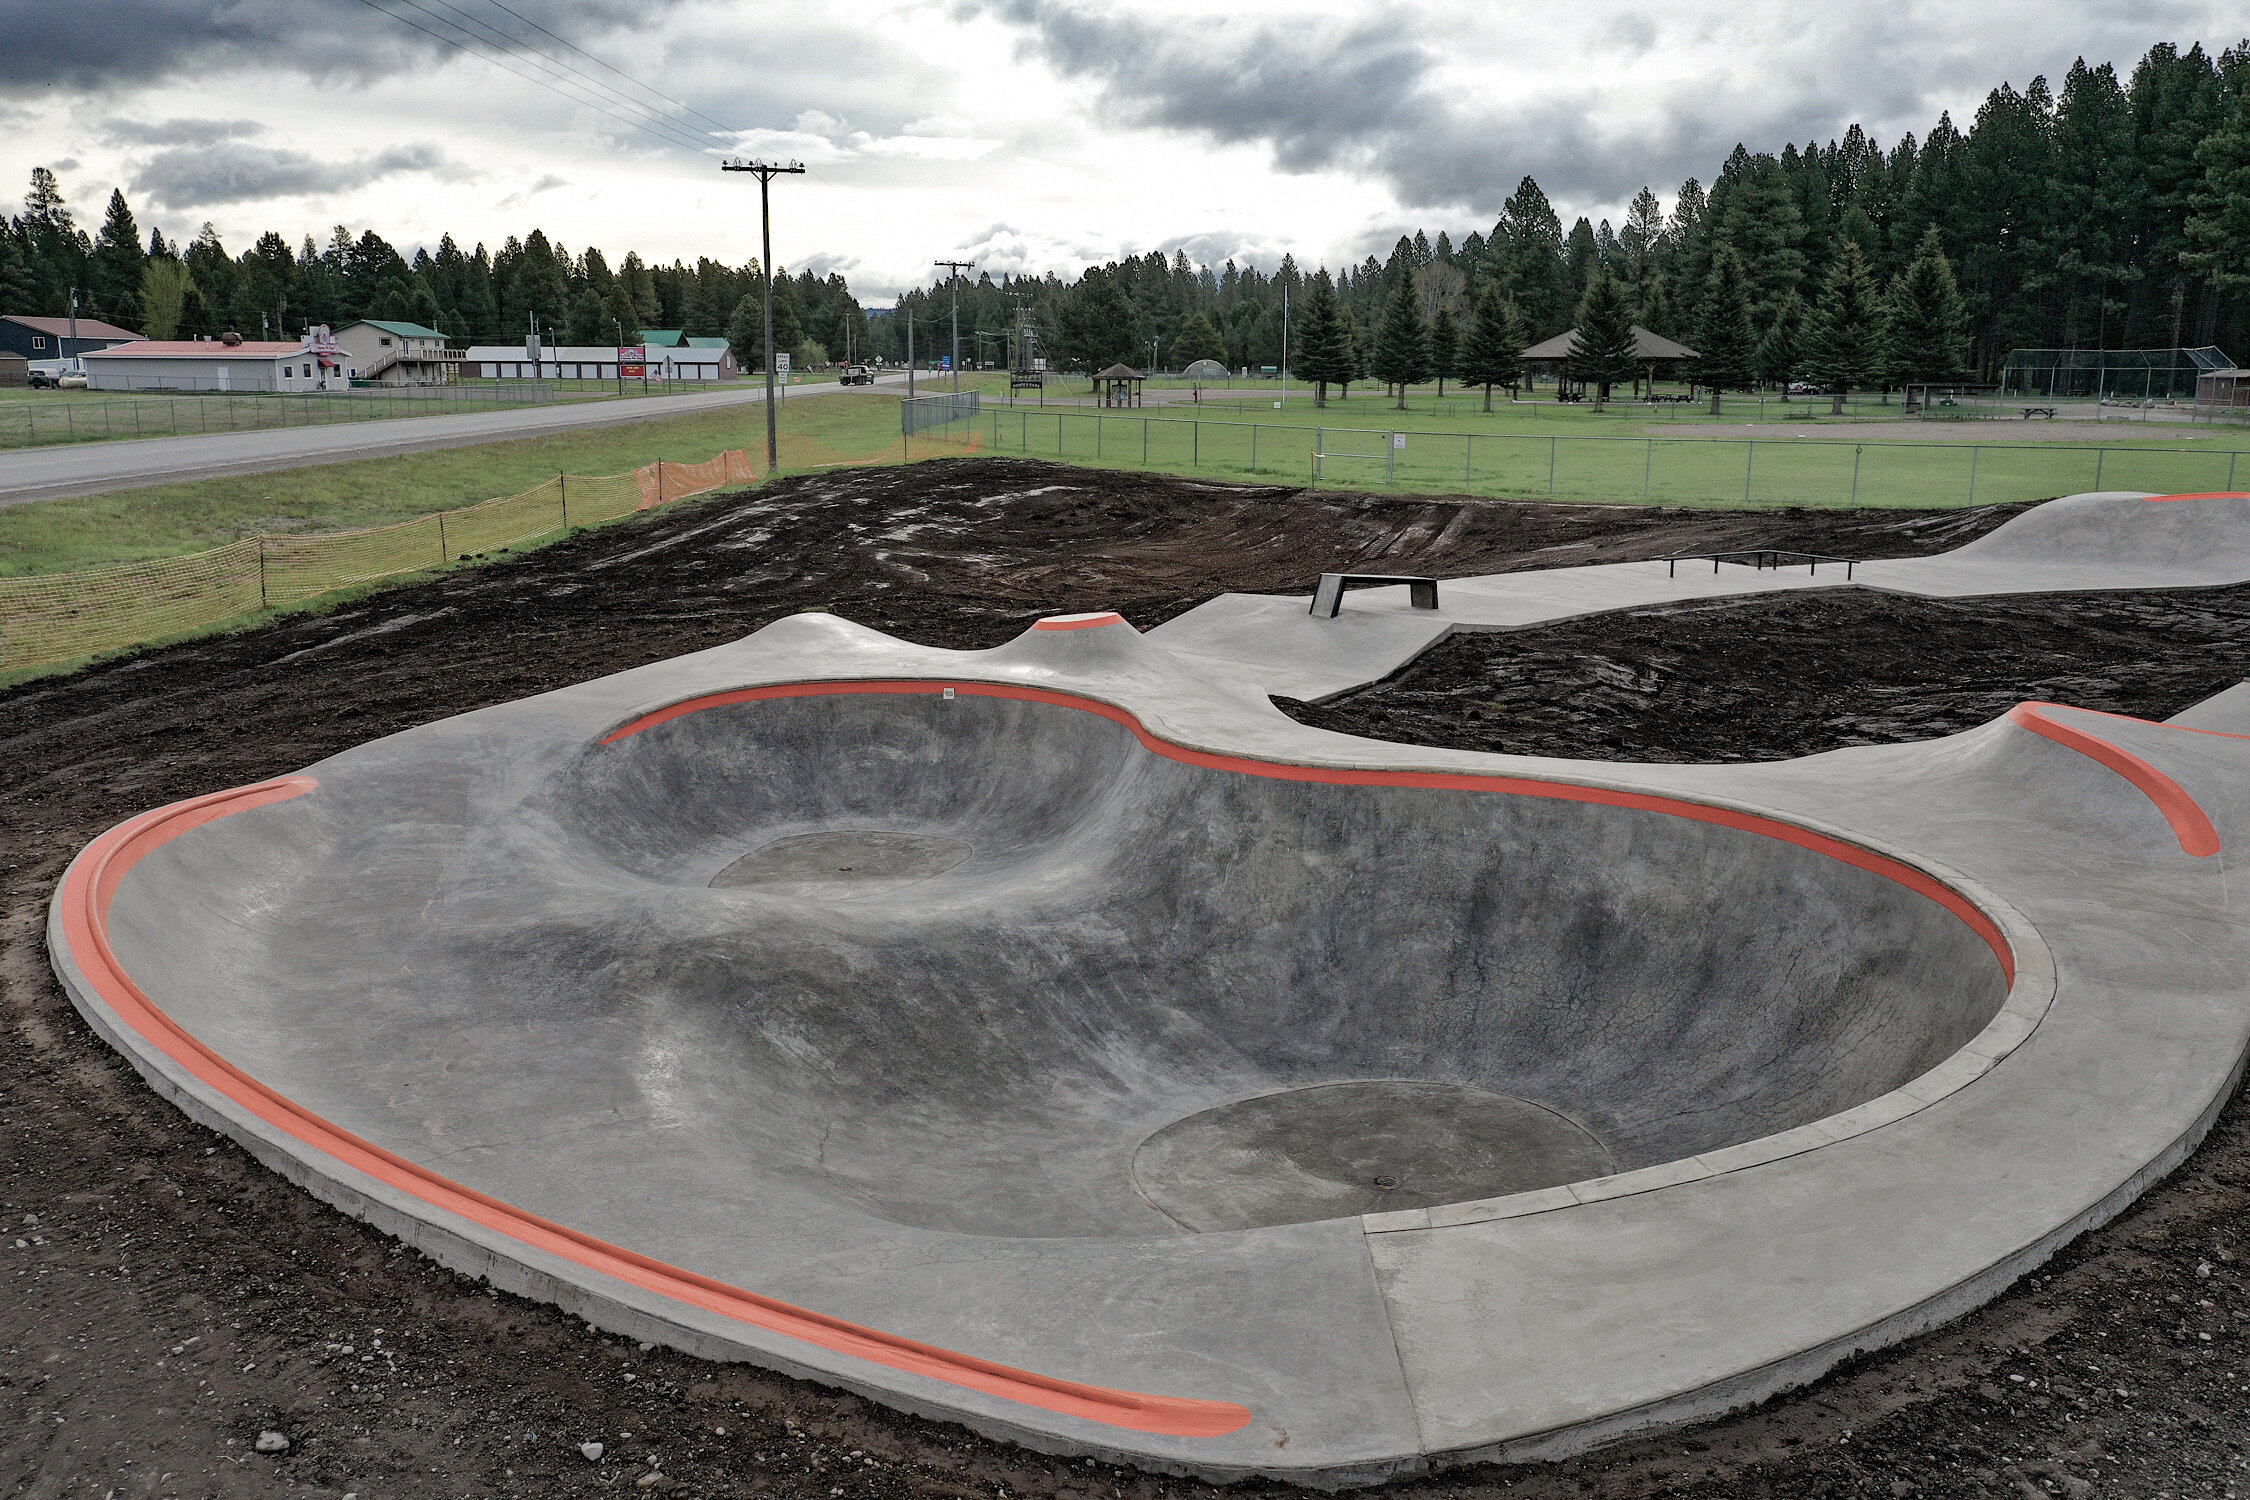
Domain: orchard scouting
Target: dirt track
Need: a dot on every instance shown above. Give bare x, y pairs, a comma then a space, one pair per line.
163, 1299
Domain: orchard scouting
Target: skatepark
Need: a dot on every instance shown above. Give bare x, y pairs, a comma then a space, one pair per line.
1058, 1038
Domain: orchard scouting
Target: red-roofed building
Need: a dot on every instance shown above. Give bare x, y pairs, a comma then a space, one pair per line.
312, 364
46, 338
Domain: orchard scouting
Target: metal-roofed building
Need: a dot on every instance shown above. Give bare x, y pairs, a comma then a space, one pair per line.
51, 338
216, 365
387, 353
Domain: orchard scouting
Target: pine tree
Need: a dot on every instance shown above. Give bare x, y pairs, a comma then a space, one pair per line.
1928, 321
621, 320
18, 287
1726, 346
116, 265
164, 284
1781, 348
1848, 346
2218, 233
1198, 339
1445, 348
1602, 346
587, 325
1493, 354
1402, 347
1323, 341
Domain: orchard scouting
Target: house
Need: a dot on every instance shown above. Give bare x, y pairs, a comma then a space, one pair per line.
46, 338
229, 363
662, 338
387, 353
700, 359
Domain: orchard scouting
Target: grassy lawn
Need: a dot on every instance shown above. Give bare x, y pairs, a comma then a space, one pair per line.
1596, 458
126, 525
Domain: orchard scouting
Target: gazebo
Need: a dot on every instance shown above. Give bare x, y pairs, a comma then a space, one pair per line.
1118, 386
1649, 351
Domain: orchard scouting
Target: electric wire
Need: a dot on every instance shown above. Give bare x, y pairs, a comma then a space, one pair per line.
665, 135
590, 57
579, 77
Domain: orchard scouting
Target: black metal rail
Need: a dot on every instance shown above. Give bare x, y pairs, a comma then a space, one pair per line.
1758, 557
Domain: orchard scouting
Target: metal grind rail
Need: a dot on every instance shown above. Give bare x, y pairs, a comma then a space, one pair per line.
1759, 558
1654, 469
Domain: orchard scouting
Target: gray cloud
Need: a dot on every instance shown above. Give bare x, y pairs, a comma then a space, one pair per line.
119, 131
1371, 95
97, 47
234, 172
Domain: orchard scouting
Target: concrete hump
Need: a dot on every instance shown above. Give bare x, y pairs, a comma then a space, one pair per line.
2129, 530
1095, 641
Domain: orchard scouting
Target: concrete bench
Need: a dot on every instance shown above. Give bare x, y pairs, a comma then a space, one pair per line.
1328, 599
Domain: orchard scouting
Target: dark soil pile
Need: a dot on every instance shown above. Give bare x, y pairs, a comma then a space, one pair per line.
1791, 674
163, 1299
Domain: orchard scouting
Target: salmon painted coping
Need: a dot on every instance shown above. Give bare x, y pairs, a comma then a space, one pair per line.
1894, 870
2190, 824
1079, 622
2206, 495
84, 901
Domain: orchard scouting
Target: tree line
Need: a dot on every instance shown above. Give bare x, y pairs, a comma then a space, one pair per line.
2114, 213
168, 290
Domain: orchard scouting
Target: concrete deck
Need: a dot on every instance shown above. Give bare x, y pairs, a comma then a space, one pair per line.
2109, 540
1061, 1040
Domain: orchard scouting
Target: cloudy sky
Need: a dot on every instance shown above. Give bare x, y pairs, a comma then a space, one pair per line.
1027, 135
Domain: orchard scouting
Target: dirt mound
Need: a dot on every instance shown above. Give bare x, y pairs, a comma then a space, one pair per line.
167, 1299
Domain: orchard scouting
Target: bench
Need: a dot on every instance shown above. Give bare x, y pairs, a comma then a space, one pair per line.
2038, 411
1328, 598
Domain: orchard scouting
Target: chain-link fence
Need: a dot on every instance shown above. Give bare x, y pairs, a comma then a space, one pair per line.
47, 418
52, 617
1660, 470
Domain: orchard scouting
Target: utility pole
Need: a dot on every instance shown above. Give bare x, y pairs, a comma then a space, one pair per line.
767, 172
958, 267
1285, 341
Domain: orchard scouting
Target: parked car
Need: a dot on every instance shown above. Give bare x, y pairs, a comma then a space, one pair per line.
46, 374
1806, 388
856, 375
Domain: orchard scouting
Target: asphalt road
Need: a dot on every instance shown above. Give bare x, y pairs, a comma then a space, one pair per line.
92, 468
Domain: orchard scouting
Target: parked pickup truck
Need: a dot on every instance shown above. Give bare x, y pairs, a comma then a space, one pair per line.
856, 375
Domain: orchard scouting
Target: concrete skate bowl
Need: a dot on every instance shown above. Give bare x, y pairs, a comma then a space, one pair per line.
1001, 965
998, 966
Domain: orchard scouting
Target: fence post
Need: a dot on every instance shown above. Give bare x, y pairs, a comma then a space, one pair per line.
1749, 461
1254, 455
445, 553
1195, 445
1973, 451
2100, 456
1469, 458
1097, 436
1648, 468
1856, 449
1551, 464
1144, 440
261, 572
2231, 457
562, 490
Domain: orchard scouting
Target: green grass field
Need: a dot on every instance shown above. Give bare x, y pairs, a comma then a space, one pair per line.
1596, 459
125, 525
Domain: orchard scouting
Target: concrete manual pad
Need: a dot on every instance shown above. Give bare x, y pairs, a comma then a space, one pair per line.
1061, 1040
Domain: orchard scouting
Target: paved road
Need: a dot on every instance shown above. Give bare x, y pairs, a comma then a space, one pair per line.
92, 468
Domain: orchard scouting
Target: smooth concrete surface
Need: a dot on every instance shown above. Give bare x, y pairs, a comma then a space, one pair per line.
93, 468
1068, 1021
2112, 539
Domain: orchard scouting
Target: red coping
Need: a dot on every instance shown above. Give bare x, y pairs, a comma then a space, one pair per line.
2190, 825
2206, 495
1079, 622
93, 881
1521, 786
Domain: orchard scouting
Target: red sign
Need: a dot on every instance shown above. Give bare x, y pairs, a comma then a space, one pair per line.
632, 363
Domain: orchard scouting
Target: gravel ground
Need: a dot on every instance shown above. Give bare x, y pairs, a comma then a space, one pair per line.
164, 1300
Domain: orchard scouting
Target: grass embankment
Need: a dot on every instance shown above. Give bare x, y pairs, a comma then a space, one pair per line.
127, 525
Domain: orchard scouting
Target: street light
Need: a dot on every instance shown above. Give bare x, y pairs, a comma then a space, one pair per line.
767, 172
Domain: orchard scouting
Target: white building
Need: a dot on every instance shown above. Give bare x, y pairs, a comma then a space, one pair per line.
709, 359
228, 364
388, 353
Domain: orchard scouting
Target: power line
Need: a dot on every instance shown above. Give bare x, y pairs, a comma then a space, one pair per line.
582, 52
670, 139
579, 75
